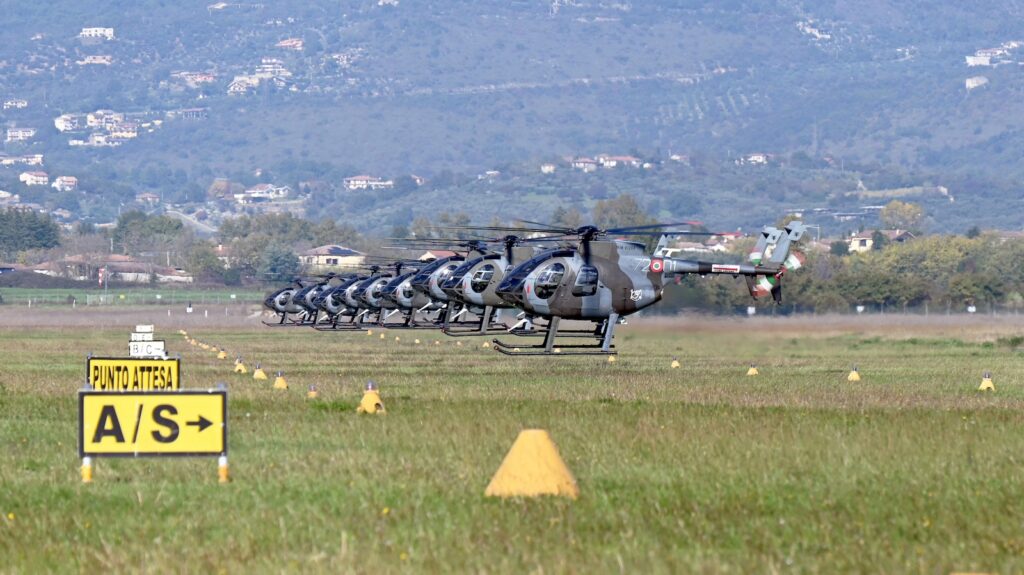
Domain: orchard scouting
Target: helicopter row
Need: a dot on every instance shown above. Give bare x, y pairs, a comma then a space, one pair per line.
525, 283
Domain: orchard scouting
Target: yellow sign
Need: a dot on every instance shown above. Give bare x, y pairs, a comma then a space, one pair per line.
152, 423
132, 374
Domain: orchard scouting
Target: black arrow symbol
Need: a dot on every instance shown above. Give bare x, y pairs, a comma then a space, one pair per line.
202, 423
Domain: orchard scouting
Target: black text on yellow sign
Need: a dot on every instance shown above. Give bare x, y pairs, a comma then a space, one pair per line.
130, 374
152, 423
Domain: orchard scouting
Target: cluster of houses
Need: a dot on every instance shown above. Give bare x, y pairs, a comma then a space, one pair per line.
15, 104
587, 165
269, 70
93, 35
110, 267
990, 58
60, 183
104, 128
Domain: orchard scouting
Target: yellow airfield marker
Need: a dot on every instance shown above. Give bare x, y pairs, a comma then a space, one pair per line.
312, 393
258, 373
240, 368
611, 359
416, 341
86, 470
854, 375
986, 382
371, 402
675, 363
531, 468
223, 476
557, 350
280, 382
516, 349
486, 344
458, 344
437, 342
753, 370
369, 332
398, 338
222, 355
382, 336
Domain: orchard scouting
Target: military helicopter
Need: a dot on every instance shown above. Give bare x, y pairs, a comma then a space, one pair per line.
474, 282
603, 280
335, 306
297, 300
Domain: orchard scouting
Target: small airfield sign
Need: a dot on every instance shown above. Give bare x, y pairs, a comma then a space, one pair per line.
163, 423
133, 374
147, 348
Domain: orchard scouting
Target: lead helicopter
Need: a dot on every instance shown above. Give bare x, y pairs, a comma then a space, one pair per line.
604, 279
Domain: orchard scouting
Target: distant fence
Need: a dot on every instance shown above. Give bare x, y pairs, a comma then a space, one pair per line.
788, 309
114, 298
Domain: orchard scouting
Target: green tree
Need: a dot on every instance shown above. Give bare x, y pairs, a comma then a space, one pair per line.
901, 215
620, 211
568, 217
839, 248
203, 264
278, 263
879, 240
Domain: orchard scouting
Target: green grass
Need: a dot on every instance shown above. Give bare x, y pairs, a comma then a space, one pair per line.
698, 469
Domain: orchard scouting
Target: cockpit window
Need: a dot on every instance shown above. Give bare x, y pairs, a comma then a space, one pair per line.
447, 271
482, 278
520, 272
460, 272
549, 279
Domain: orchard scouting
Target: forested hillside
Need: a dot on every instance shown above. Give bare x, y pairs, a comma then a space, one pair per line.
444, 87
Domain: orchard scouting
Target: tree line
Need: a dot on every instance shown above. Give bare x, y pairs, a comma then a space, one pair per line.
938, 272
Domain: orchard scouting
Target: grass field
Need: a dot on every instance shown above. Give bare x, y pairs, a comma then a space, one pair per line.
696, 469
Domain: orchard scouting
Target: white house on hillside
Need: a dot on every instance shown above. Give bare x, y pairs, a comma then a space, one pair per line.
368, 183
34, 178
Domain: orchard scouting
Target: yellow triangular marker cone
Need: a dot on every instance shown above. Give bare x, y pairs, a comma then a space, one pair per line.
369, 332
675, 363
854, 375
416, 341
986, 382
280, 382
486, 344
222, 355
382, 336
312, 393
371, 402
258, 373
398, 338
240, 368
437, 342
611, 359
532, 467
752, 370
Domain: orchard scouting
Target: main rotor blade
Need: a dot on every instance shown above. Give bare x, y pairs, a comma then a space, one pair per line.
650, 227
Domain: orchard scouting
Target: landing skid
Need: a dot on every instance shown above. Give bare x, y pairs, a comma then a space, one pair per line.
603, 347
285, 321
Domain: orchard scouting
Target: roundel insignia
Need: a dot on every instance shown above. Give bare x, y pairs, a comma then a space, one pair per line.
657, 265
